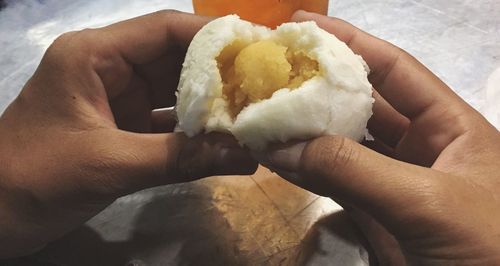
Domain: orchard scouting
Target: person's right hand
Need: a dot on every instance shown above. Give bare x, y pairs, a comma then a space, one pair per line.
427, 190
86, 129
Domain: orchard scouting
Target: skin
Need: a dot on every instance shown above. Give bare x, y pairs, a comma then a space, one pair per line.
82, 132
80, 135
425, 192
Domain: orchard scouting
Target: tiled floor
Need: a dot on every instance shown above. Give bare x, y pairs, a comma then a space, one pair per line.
260, 219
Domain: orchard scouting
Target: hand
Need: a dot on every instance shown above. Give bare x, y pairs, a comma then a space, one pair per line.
426, 193
80, 134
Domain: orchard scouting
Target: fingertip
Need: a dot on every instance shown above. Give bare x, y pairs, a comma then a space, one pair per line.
286, 157
214, 154
300, 15
235, 161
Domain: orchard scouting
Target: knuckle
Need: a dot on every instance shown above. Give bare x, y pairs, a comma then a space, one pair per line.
64, 39
102, 170
58, 47
85, 40
85, 35
72, 44
167, 12
168, 16
329, 155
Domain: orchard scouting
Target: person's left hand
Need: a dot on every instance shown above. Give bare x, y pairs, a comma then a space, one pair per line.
82, 131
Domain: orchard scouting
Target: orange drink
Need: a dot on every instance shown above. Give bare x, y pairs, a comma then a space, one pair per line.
266, 12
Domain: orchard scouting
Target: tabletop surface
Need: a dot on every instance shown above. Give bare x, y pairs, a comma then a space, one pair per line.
259, 219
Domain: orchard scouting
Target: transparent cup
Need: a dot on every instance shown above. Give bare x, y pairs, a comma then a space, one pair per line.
271, 13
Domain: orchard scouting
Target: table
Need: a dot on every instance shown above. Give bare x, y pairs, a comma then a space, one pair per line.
259, 219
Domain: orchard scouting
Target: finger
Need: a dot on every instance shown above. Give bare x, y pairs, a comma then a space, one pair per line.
132, 109
163, 120
387, 124
136, 161
386, 247
380, 147
344, 169
132, 113
162, 76
405, 83
143, 39
152, 45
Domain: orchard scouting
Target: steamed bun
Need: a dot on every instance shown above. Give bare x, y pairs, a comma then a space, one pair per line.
265, 86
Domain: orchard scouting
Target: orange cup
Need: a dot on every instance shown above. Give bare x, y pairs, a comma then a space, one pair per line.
271, 13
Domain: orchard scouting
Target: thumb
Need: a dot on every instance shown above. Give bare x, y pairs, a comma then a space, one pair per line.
146, 160
343, 169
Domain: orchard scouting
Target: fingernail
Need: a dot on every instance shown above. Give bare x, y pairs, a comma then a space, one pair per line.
285, 158
300, 12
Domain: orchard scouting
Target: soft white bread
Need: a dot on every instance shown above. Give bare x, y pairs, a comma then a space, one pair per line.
226, 86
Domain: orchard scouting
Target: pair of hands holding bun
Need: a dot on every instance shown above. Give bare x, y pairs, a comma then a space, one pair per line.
82, 133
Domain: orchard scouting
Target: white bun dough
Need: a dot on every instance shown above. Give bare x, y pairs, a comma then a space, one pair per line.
337, 100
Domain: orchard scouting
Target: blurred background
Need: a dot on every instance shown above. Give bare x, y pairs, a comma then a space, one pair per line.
261, 219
